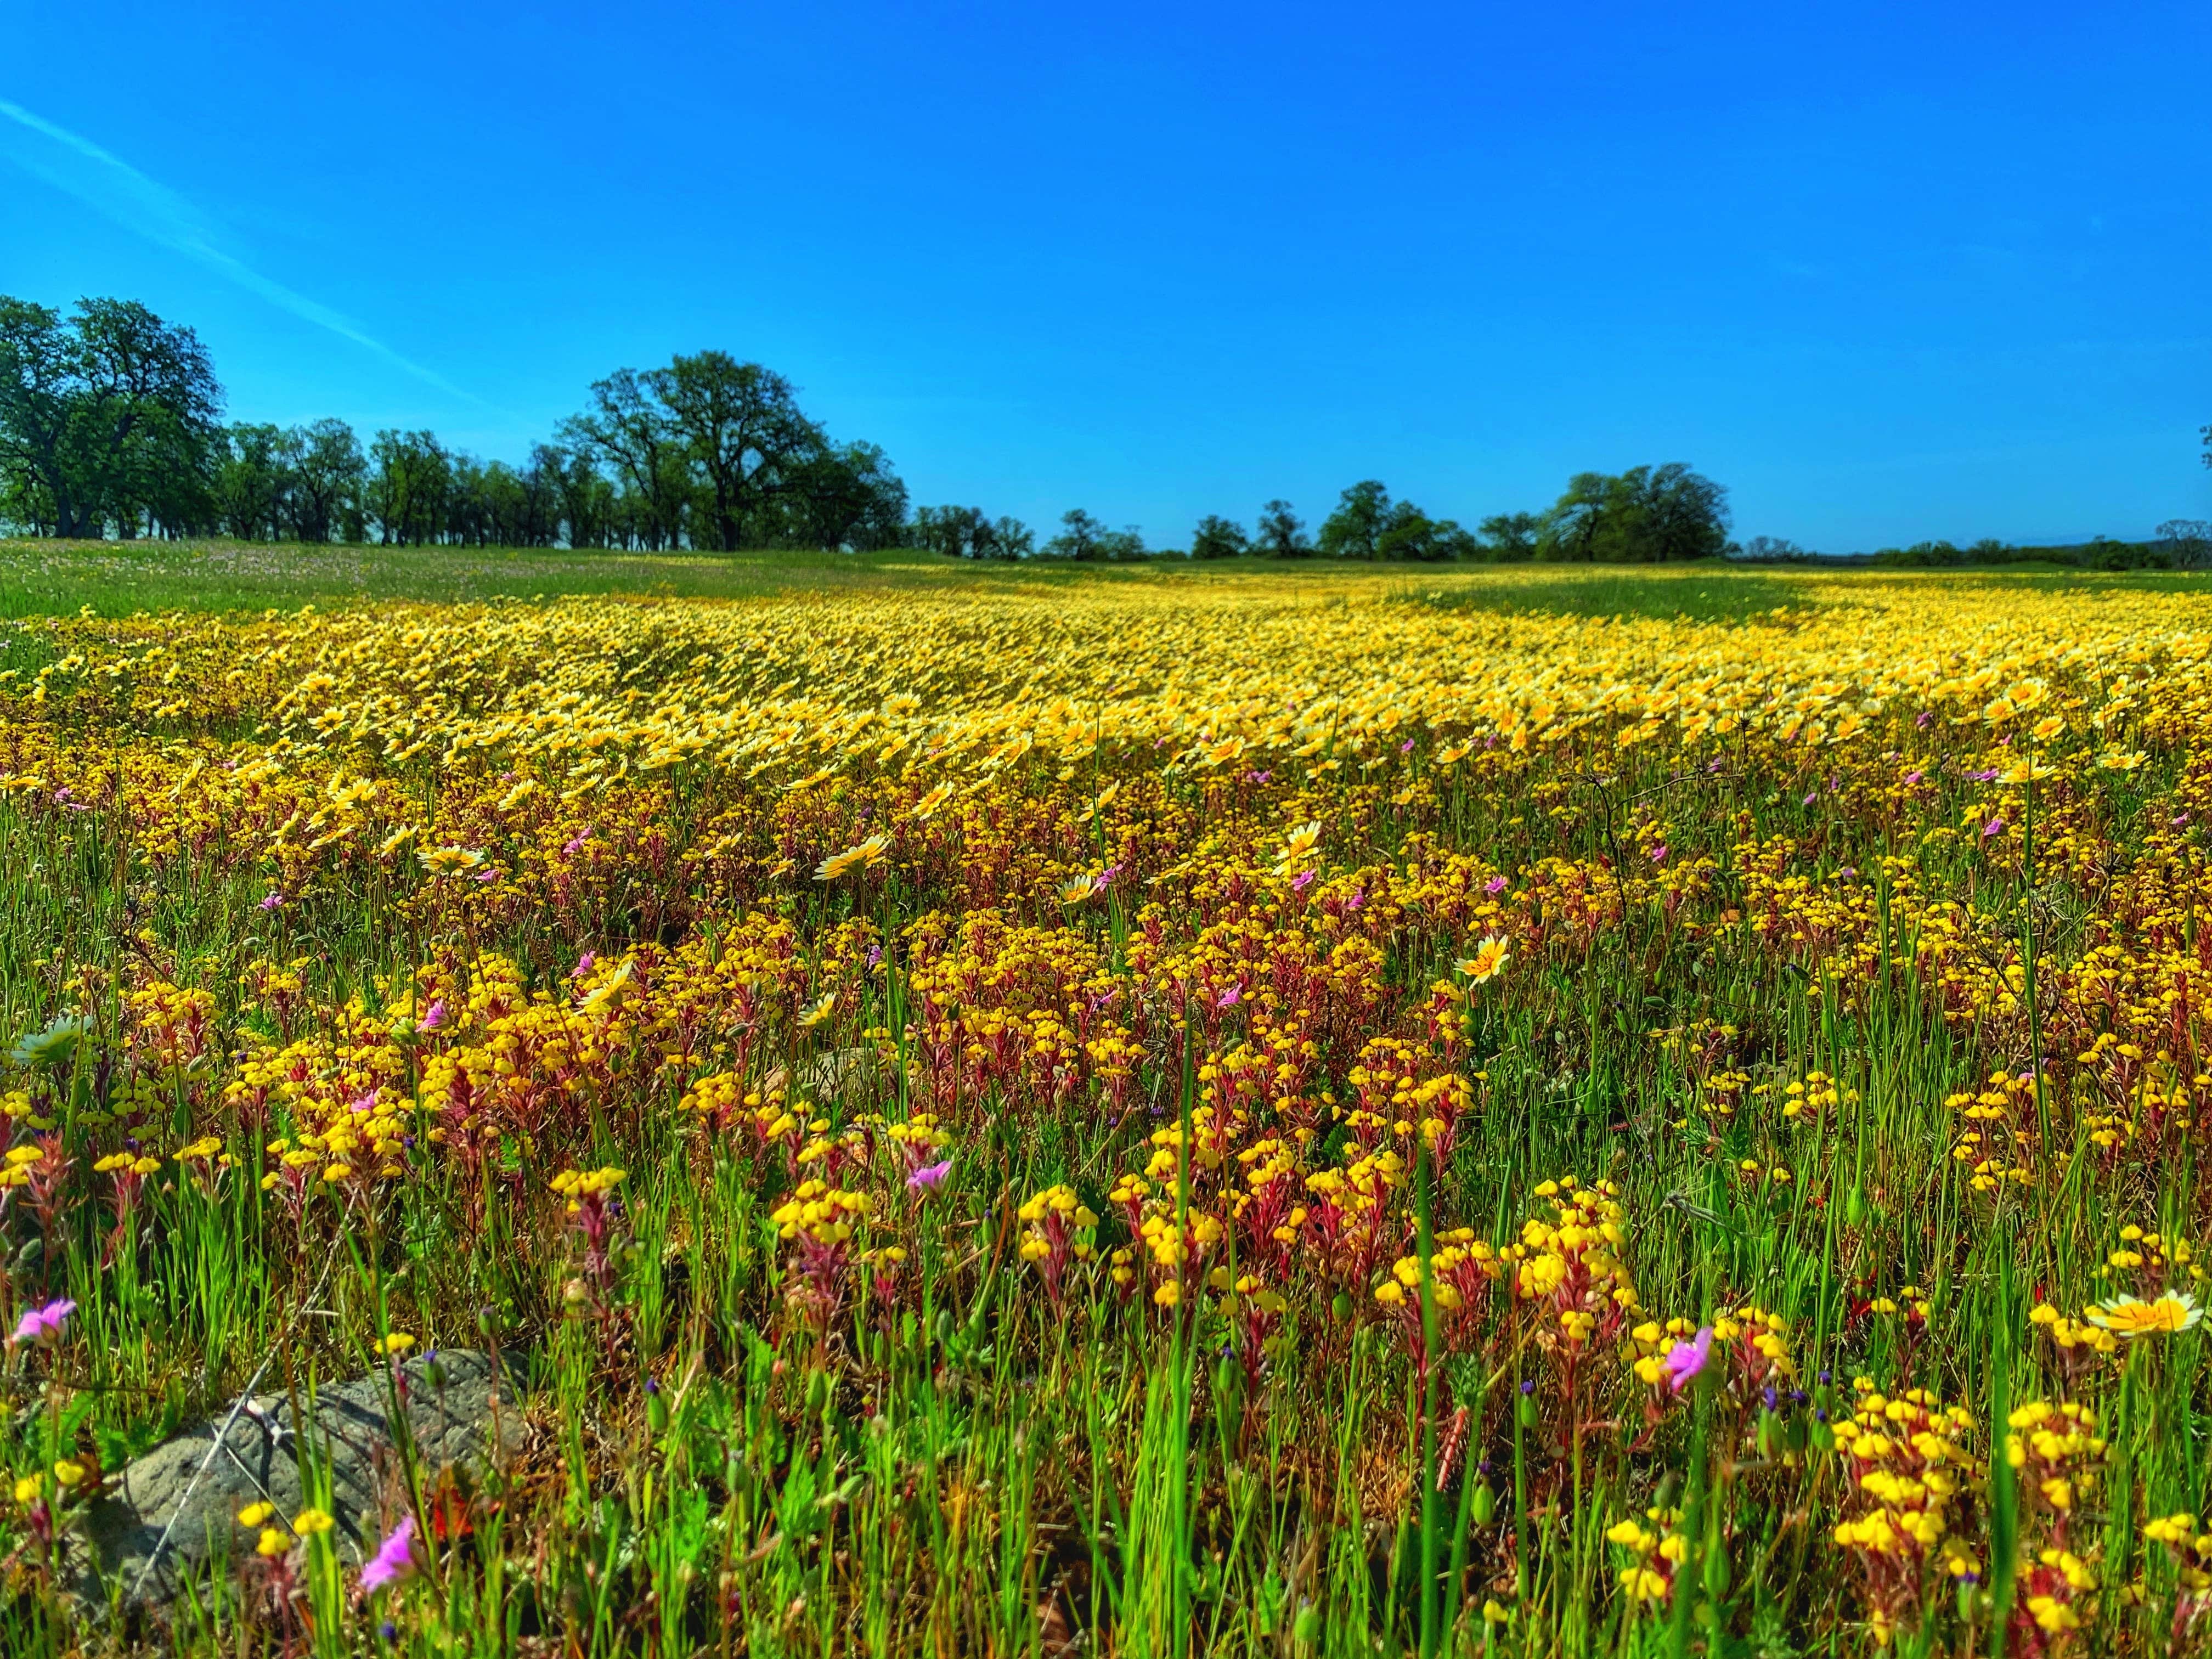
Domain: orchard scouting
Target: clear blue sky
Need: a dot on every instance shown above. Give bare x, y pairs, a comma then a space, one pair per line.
1888, 273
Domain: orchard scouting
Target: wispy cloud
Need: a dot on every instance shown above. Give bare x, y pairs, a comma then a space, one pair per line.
107, 183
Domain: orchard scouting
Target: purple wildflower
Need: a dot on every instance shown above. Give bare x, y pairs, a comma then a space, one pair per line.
43, 1324
1994, 827
435, 1015
1496, 885
274, 901
1685, 1360
394, 1559
930, 1176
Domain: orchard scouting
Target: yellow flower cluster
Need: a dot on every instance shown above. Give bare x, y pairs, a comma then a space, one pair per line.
1655, 1551
1572, 1261
1907, 1465
578, 1185
1041, 1209
819, 1212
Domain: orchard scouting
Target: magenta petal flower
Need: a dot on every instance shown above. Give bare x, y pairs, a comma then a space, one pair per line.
394, 1559
435, 1015
1685, 1360
43, 1325
930, 1176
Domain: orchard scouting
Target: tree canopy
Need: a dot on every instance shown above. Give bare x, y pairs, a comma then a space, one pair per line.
105, 416
1646, 515
1367, 524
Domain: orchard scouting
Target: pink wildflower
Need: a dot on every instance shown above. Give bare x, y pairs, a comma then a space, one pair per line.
930, 1176
394, 1559
1685, 1360
43, 1325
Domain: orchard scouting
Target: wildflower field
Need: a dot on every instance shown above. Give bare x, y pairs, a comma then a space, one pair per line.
1155, 1116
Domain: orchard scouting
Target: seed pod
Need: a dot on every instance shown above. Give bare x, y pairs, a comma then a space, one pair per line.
1717, 1563
1228, 1386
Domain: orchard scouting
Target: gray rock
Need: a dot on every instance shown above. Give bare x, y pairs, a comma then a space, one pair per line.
459, 1415
845, 1078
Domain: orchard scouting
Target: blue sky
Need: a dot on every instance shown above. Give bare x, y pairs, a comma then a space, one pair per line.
1888, 273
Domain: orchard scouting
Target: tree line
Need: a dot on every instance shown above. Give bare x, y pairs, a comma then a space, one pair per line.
1646, 515
110, 424
2176, 544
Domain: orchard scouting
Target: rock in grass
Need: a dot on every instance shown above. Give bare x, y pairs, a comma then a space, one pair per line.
846, 1078
458, 1415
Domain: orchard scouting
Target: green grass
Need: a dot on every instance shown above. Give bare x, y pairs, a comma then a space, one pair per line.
120, 578
1696, 593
